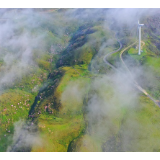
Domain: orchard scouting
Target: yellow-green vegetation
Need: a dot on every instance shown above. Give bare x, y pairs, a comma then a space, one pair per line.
101, 34
57, 131
86, 54
14, 105
85, 44
101, 128
151, 61
74, 109
133, 52
114, 57
154, 62
44, 64
86, 143
19, 96
145, 130
136, 130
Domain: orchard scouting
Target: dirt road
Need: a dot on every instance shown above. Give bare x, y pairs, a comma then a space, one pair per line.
133, 80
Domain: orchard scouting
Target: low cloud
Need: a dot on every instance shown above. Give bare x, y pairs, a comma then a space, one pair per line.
25, 136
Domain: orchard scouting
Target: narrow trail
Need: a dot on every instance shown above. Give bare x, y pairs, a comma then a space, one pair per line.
136, 83
105, 57
131, 76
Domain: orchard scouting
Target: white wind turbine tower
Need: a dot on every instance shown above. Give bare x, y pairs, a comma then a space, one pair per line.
139, 28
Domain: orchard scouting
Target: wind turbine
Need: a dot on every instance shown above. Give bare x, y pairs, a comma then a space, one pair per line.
139, 28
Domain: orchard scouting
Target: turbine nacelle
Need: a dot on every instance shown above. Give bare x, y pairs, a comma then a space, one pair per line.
140, 25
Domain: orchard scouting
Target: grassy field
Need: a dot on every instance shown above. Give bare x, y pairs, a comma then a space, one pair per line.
58, 131
145, 131
14, 105
150, 61
133, 129
66, 123
62, 121
65, 74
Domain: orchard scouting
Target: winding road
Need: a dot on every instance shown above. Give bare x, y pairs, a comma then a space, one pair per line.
105, 57
132, 79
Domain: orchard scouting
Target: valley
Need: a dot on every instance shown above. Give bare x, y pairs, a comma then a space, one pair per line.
71, 80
